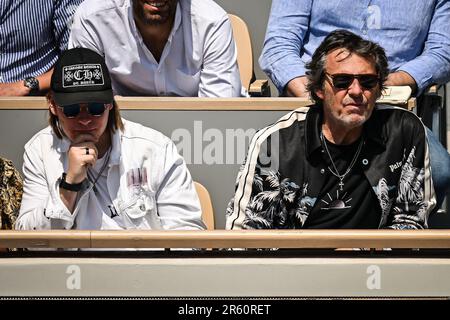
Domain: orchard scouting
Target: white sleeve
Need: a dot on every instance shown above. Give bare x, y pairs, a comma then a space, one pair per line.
220, 74
83, 33
176, 198
41, 206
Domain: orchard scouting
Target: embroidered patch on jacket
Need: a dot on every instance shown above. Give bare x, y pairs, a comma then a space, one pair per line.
137, 177
395, 166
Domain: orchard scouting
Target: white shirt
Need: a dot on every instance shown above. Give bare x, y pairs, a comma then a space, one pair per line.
199, 58
148, 186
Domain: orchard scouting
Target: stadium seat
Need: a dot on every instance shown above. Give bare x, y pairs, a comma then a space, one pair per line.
256, 88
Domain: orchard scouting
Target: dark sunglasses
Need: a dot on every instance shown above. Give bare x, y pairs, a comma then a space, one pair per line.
342, 81
95, 109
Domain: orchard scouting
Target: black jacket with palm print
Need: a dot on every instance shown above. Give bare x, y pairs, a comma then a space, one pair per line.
283, 174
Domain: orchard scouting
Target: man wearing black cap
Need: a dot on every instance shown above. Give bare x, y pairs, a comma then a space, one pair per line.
91, 169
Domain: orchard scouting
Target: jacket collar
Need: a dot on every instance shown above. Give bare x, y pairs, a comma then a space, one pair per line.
62, 145
373, 130
313, 125
116, 143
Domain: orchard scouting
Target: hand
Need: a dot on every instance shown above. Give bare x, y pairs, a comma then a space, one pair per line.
79, 161
297, 87
14, 89
401, 78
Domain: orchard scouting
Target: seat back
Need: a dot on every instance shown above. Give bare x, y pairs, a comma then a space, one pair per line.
206, 205
244, 49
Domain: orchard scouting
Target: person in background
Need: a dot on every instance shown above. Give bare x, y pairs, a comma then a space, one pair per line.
163, 47
33, 34
417, 47
91, 169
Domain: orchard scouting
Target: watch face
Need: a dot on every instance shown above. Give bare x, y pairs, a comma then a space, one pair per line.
31, 83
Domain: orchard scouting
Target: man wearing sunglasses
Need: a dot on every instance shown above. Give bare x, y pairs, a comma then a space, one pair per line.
91, 169
345, 162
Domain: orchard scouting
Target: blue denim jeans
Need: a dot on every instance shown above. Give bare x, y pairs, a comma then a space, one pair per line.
440, 167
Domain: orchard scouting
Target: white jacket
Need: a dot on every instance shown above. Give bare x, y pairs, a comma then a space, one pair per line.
165, 197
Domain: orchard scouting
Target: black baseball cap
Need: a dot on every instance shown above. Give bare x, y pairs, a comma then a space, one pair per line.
80, 76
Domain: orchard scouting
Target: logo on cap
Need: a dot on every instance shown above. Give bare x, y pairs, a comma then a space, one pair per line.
82, 75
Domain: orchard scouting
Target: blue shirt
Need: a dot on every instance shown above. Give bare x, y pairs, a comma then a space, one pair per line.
414, 33
32, 34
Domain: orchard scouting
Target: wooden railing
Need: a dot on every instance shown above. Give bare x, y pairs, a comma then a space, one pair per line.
172, 103
437, 239
183, 103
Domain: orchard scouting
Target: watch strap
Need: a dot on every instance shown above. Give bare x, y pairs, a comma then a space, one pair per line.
75, 187
33, 84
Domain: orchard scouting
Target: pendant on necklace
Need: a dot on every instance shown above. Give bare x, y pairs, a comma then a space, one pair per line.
341, 184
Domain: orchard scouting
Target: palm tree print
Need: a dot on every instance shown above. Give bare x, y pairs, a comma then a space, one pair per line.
386, 201
410, 208
282, 204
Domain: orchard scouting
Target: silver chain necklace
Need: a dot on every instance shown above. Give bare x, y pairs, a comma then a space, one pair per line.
352, 163
89, 173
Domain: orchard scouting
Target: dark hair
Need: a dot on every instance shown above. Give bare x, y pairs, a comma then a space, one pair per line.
354, 44
114, 118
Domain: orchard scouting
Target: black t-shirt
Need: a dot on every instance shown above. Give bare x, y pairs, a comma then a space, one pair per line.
356, 206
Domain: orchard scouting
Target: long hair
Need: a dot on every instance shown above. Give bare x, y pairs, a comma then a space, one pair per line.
114, 118
354, 44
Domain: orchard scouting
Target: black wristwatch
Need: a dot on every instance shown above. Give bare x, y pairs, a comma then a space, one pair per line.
33, 84
75, 187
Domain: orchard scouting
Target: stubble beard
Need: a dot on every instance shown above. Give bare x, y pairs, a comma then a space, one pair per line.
350, 120
153, 19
